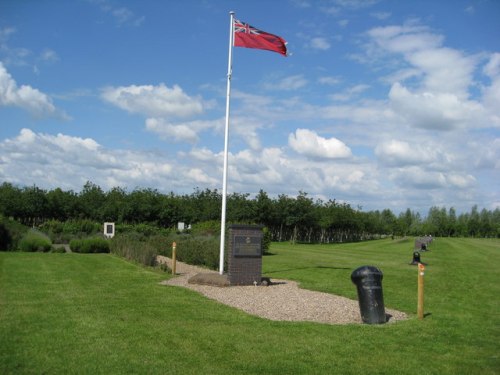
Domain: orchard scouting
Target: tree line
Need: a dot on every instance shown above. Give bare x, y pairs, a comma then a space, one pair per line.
299, 218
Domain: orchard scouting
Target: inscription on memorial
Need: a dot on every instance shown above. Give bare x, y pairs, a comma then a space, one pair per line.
247, 246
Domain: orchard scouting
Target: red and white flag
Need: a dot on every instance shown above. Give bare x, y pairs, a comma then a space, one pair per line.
249, 37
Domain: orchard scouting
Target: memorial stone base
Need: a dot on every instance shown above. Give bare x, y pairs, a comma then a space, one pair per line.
245, 255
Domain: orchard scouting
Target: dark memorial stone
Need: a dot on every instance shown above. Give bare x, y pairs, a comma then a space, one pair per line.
245, 255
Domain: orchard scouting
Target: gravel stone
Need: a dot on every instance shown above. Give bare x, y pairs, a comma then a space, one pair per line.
282, 300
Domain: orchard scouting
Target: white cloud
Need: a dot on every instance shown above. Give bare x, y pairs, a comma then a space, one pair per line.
49, 55
355, 4
25, 97
438, 77
320, 43
329, 80
404, 39
492, 68
438, 111
154, 101
491, 93
198, 176
439, 97
182, 132
288, 83
122, 15
5, 34
68, 162
381, 15
401, 153
350, 92
309, 143
422, 178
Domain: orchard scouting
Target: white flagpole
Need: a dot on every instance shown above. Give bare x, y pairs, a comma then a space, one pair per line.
226, 136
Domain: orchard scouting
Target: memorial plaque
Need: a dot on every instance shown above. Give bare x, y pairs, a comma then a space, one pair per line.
247, 246
109, 230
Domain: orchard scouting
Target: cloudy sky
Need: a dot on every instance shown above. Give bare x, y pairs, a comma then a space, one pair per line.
382, 103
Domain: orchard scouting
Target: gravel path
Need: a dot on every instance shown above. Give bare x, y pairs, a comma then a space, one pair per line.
282, 300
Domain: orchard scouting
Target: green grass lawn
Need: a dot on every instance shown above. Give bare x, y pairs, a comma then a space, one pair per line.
75, 313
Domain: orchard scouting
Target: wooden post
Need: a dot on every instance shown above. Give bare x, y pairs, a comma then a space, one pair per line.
174, 245
420, 304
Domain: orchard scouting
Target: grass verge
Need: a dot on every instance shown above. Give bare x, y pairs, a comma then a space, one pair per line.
74, 313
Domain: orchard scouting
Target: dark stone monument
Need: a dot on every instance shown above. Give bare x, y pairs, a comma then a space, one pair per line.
245, 255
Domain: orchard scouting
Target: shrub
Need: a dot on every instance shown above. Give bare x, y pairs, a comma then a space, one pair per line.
203, 251
90, 245
58, 250
35, 241
11, 233
79, 227
130, 247
266, 241
5, 237
64, 232
206, 228
146, 230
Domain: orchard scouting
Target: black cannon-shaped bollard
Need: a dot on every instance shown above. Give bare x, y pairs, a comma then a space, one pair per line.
368, 280
416, 258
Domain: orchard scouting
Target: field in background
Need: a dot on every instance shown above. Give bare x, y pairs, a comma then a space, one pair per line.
76, 313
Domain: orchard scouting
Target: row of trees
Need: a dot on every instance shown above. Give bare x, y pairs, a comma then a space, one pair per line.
297, 218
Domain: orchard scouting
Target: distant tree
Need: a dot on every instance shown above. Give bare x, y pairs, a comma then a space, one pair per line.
115, 205
11, 201
91, 200
62, 205
35, 205
388, 221
240, 208
473, 224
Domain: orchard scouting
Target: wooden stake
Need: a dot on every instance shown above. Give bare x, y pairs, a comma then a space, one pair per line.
173, 257
420, 304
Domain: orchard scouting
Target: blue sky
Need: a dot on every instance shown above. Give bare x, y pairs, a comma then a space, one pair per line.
382, 104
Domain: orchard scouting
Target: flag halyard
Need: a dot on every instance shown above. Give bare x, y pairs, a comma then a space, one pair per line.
248, 36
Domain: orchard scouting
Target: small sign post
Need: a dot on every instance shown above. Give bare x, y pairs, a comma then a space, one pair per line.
420, 304
174, 245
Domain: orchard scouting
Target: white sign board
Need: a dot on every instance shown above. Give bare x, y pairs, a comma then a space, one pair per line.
109, 230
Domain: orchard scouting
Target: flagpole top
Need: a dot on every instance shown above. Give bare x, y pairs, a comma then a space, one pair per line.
231, 13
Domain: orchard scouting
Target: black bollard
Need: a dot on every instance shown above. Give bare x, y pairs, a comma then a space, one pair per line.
416, 258
368, 280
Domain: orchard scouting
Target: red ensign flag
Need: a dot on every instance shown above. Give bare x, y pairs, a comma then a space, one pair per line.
249, 37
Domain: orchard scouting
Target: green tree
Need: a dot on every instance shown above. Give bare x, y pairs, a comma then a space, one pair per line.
61, 205
91, 200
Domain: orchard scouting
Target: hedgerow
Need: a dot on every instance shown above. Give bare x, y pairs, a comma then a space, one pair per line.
90, 245
134, 246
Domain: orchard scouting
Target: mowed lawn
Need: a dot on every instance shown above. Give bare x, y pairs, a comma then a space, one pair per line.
98, 314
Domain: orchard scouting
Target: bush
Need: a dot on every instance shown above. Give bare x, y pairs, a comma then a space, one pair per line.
5, 237
206, 228
35, 241
58, 250
64, 232
130, 247
90, 245
11, 233
202, 251
147, 230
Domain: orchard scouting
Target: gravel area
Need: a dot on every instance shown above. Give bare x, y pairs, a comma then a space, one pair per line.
282, 300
